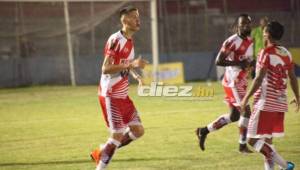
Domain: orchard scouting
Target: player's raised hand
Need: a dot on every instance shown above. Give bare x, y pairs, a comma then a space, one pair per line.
139, 63
140, 81
297, 102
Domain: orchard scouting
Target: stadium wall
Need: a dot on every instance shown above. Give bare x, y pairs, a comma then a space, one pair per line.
54, 70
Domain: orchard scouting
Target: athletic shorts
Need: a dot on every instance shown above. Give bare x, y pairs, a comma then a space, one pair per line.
263, 124
119, 113
234, 96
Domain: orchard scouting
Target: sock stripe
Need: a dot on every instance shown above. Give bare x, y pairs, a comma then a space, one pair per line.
114, 141
131, 135
258, 145
243, 122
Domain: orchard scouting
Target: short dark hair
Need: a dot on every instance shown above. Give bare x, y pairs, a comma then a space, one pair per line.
125, 10
245, 16
275, 29
234, 27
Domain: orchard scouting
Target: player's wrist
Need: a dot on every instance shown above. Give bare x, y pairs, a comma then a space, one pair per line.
133, 64
138, 77
127, 66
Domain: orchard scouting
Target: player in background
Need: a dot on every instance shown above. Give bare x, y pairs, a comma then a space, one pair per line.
274, 67
257, 37
119, 112
236, 56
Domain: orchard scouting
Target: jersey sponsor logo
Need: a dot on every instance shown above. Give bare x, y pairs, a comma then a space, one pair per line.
124, 73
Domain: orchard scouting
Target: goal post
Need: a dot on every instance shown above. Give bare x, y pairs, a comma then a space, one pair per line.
84, 25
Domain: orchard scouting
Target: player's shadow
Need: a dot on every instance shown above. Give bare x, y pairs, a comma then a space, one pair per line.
89, 161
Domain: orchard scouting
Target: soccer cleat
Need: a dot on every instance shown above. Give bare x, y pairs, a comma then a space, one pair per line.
290, 166
244, 149
201, 138
96, 155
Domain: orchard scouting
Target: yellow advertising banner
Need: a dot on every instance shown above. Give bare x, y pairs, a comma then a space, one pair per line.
169, 73
296, 55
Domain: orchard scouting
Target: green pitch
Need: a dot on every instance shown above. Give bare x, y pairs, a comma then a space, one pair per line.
55, 128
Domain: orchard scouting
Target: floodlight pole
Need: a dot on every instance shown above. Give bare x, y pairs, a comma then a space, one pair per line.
69, 43
155, 49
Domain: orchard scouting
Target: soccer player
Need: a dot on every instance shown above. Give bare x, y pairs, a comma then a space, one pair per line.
119, 112
257, 37
236, 56
273, 68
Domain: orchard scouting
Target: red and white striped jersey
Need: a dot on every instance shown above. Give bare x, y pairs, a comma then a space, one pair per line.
238, 49
121, 50
272, 94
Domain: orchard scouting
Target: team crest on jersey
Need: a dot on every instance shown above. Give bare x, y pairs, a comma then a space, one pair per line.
124, 73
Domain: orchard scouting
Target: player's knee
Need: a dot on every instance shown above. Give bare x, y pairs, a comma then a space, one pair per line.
235, 114
138, 132
235, 117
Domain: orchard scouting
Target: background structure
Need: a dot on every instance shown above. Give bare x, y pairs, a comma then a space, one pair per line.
33, 47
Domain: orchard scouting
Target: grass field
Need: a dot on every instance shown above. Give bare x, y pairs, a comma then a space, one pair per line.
55, 128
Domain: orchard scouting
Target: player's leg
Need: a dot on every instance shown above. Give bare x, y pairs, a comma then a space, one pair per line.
243, 128
237, 95
232, 99
112, 114
108, 149
269, 164
133, 133
262, 126
217, 124
224, 119
132, 119
137, 130
270, 154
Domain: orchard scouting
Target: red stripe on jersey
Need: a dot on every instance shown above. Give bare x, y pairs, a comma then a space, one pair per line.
271, 96
121, 50
236, 49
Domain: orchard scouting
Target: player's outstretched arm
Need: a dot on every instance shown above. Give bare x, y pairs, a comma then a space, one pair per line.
295, 87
